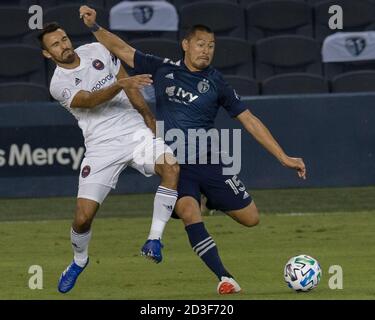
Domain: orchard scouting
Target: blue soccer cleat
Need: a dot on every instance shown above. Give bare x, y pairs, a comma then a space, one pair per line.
152, 250
69, 276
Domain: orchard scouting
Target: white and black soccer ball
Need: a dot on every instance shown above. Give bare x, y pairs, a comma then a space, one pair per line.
302, 273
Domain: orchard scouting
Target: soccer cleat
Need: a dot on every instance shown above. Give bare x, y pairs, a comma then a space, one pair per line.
228, 286
69, 277
152, 250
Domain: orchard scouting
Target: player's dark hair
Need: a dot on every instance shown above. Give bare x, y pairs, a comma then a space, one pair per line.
198, 27
47, 28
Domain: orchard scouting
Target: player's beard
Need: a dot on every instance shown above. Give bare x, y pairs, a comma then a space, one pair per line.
65, 57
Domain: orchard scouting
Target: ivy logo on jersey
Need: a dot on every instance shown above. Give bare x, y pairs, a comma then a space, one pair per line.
355, 45
179, 95
143, 14
85, 171
97, 64
203, 86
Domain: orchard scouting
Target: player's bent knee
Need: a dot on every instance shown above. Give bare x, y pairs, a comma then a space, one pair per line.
85, 213
169, 172
248, 216
251, 221
188, 211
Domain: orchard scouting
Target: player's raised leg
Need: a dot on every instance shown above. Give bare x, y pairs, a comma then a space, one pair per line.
247, 216
188, 209
80, 233
167, 168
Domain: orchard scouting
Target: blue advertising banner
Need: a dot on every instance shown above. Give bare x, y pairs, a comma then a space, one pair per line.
41, 146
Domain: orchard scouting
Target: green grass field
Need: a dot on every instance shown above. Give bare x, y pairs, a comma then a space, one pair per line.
336, 226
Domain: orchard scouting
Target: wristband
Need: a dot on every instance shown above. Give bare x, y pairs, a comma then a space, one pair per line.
94, 28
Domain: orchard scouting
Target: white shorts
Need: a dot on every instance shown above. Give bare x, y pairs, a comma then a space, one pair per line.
101, 167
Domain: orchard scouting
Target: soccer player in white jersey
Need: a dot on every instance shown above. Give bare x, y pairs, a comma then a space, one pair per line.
94, 87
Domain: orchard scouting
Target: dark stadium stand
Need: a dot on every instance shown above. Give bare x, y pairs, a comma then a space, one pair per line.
55, 3
359, 16
287, 54
23, 92
333, 69
244, 86
160, 47
15, 17
275, 17
357, 81
233, 56
67, 16
276, 43
294, 83
20, 62
227, 18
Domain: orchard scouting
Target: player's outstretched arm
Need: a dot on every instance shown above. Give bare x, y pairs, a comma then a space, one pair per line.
86, 99
137, 100
259, 131
112, 42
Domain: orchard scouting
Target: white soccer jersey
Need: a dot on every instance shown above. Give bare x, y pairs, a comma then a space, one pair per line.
98, 69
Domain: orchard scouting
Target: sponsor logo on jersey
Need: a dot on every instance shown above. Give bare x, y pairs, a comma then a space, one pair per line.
179, 95
143, 14
170, 76
97, 64
102, 82
203, 86
85, 171
78, 81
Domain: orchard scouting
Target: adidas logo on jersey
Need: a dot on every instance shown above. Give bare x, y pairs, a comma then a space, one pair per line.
78, 81
170, 76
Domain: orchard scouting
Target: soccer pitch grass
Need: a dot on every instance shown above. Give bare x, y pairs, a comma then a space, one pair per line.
335, 226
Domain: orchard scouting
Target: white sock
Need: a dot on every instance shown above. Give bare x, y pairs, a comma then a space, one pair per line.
164, 202
80, 245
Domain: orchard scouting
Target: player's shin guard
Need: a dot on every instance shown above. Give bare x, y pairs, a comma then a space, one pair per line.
80, 244
164, 202
205, 247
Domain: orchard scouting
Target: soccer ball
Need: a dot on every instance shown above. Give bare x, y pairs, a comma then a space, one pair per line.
302, 273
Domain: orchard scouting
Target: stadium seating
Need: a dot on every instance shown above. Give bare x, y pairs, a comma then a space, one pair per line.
54, 3
244, 86
276, 42
17, 3
129, 20
160, 47
226, 18
357, 81
23, 92
335, 68
17, 18
233, 56
294, 83
22, 63
275, 17
286, 54
68, 17
358, 16
180, 3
